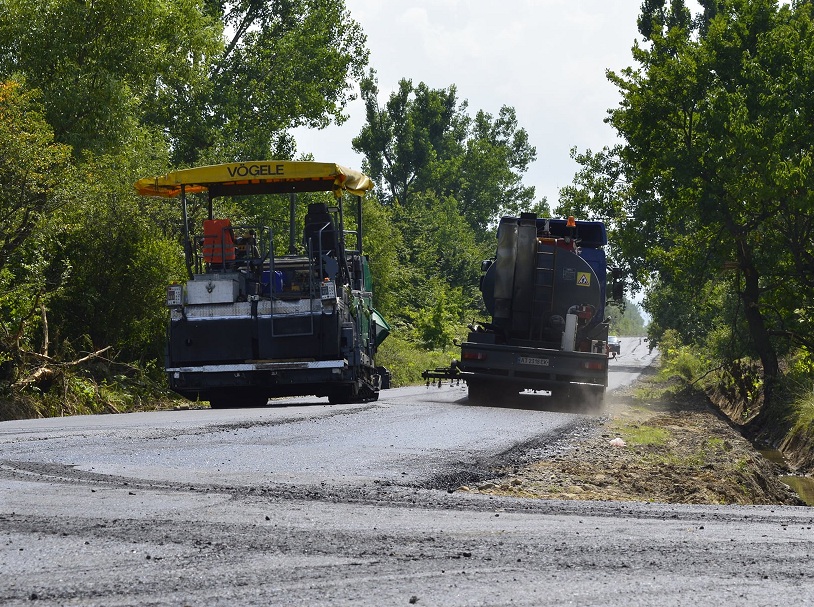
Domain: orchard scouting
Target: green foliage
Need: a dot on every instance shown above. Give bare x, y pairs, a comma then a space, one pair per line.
423, 140
599, 193
284, 64
32, 170
438, 323
90, 261
27, 286
709, 163
498, 152
108, 66
804, 415
97, 387
407, 142
445, 178
32, 165
799, 380
120, 261
626, 320
407, 361
679, 359
708, 316
425, 263
439, 241
100, 65
383, 244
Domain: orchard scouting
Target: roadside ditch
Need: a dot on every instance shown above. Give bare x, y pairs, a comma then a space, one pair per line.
655, 442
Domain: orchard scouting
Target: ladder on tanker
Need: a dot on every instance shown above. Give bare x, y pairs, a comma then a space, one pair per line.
543, 293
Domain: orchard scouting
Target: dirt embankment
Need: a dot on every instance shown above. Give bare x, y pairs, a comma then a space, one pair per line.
654, 444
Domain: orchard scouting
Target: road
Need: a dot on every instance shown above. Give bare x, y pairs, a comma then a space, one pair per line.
309, 504
627, 365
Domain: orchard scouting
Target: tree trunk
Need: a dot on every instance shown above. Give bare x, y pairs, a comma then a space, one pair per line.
750, 295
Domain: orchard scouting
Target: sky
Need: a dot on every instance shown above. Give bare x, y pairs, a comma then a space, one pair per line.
546, 58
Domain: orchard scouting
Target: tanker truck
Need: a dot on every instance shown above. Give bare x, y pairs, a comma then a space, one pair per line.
545, 291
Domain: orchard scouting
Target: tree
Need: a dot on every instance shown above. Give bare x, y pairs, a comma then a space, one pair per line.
107, 66
423, 140
33, 172
402, 142
600, 192
626, 319
32, 169
498, 152
103, 65
284, 64
120, 260
382, 244
441, 242
32, 165
715, 165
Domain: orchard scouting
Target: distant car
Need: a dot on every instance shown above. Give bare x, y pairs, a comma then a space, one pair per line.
614, 345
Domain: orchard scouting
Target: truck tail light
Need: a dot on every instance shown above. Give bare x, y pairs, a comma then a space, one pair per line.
594, 365
473, 356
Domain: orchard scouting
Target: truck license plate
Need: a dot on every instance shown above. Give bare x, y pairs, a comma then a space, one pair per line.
530, 360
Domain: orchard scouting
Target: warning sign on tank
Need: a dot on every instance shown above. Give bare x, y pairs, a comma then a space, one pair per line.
583, 279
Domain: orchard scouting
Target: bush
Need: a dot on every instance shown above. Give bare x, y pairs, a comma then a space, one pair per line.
799, 379
406, 361
680, 360
96, 386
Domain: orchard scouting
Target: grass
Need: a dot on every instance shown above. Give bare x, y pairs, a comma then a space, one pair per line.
716, 444
641, 435
742, 465
658, 386
803, 412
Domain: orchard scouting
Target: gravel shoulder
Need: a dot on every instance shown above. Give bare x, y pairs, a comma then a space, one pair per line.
654, 442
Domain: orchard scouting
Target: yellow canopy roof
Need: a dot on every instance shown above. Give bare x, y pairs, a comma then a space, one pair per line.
258, 177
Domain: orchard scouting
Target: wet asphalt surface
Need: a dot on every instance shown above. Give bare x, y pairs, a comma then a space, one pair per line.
307, 504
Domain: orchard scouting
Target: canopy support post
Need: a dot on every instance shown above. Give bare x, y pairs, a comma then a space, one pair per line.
359, 224
188, 250
292, 218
